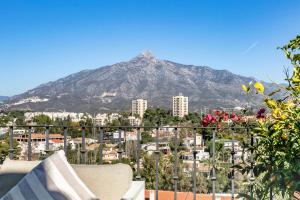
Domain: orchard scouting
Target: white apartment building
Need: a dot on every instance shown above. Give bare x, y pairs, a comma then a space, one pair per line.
180, 105
103, 119
139, 106
75, 117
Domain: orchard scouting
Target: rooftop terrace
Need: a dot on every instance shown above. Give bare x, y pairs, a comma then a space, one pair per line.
104, 150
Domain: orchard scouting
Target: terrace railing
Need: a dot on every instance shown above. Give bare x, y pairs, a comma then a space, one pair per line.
100, 131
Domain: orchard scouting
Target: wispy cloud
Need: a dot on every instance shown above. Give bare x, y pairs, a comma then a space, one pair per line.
254, 44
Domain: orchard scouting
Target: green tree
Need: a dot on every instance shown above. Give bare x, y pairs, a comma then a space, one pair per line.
277, 151
166, 167
146, 137
4, 120
193, 118
157, 116
42, 120
4, 148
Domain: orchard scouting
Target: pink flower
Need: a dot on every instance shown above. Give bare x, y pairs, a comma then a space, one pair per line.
205, 122
217, 112
209, 117
214, 119
233, 115
225, 116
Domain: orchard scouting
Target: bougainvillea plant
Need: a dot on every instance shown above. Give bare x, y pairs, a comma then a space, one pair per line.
224, 122
219, 117
277, 150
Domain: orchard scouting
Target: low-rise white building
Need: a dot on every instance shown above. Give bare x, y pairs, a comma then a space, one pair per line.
105, 118
189, 141
134, 121
201, 155
75, 117
19, 131
162, 146
116, 135
228, 144
132, 136
56, 145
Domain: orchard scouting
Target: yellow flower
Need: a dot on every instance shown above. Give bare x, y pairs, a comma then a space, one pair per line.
276, 112
283, 117
245, 88
271, 103
284, 136
290, 104
259, 87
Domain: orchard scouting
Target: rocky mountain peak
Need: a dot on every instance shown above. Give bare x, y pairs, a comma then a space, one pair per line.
113, 87
145, 56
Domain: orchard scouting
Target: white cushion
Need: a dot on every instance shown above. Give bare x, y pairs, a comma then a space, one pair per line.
18, 166
52, 179
107, 182
98, 178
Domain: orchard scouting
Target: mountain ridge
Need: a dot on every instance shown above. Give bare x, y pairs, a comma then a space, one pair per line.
112, 87
2, 97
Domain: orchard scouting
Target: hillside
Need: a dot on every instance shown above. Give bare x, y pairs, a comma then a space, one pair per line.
111, 88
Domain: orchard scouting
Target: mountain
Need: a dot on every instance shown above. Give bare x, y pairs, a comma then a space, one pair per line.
111, 88
3, 98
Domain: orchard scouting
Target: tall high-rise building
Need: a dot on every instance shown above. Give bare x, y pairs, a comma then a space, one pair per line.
180, 105
139, 106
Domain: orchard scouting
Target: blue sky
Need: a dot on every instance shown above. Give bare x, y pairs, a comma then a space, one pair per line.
41, 41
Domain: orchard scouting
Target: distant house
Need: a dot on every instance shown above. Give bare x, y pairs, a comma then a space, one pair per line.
162, 146
201, 155
56, 144
131, 136
38, 137
228, 143
162, 133
189, 141
19, 131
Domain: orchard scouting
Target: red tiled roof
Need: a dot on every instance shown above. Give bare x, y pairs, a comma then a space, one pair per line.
169, 195
57, 141
41, 136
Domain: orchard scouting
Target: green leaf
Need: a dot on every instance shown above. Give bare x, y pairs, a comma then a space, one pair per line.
274, 92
